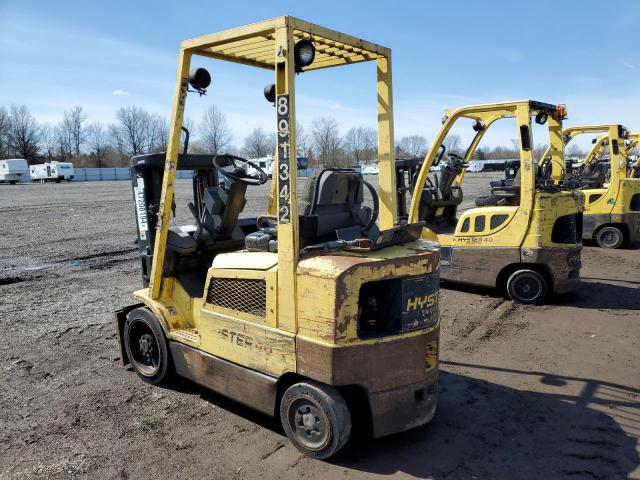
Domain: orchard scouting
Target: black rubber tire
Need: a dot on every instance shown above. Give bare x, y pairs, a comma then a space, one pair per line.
610, 237
527, 287
157, 366
328, 411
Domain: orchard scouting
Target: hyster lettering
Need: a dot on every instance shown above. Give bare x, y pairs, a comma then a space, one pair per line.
418, 303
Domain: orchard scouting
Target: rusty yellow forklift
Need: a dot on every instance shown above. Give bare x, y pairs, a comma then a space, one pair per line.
523, 238
312, 314
605, 176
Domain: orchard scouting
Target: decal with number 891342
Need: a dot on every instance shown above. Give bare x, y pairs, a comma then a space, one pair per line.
284, 154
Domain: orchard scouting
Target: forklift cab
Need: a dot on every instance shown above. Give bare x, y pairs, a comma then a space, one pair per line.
215, 207
524, 236
313, 312
605, 177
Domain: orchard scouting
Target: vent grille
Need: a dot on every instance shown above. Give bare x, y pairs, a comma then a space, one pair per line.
241, 294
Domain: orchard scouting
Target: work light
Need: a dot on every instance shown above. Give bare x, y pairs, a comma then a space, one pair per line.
303, 53
270, 92
561, 111
199, 79
478, 126
541, 118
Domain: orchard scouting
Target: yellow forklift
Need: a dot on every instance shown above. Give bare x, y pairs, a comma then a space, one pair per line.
523, 238
605, 176
313, 314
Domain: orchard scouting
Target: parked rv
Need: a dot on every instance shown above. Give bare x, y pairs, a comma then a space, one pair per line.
52, 172
371, 169
14, 170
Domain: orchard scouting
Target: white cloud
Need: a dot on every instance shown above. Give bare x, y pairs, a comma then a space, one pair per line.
630, 65
120, 93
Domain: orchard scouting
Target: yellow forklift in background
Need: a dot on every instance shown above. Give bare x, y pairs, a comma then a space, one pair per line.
313, 314
525, 236
605, 176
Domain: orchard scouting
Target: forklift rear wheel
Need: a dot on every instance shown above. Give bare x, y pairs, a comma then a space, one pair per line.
527, 286
610, 237
315, 418
147, 347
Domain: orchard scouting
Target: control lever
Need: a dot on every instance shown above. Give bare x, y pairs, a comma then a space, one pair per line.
194, 212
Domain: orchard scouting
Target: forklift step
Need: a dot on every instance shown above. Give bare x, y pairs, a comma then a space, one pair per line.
187, 335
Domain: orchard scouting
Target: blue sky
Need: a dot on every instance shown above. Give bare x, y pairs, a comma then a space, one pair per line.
103, 55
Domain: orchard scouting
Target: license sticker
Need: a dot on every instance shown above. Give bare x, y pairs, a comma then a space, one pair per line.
141, 208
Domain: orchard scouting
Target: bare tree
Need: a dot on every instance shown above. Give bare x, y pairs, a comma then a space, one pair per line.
359, 143
4, 132
414, 146
303, 141
132, 134
98, 142
574, 151
258, 144
73, 124
24, 134
326, 142
158, 134
48, 141
453, 142
215, 133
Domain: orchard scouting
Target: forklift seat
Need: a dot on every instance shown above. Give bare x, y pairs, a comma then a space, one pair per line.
180, 240
333, 198
507, 195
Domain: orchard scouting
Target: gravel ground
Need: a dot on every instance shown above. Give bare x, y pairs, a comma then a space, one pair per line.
526, 392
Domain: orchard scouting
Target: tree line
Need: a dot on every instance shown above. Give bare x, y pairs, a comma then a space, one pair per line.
136, 131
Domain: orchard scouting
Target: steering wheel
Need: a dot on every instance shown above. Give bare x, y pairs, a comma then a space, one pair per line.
376, 205
239, 173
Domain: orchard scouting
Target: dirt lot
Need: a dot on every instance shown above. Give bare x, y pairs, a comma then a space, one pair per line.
526, 392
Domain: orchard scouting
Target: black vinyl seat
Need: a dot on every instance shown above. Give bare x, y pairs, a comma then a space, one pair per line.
507, 195
180, 240
334, 197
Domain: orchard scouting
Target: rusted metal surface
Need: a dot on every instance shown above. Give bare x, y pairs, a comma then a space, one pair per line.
399, 376
590, 223
563, 264
332, 284
632, 221
478, 265
243, 385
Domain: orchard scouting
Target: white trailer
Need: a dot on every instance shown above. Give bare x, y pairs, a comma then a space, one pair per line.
52, 172
14, 170
265, 163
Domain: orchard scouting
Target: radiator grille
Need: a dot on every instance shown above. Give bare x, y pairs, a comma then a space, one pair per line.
240, 294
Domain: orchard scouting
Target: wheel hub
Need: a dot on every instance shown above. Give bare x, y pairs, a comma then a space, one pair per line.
146, 346
310, 426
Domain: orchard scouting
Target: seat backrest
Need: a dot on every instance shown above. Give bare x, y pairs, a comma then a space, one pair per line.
334, 197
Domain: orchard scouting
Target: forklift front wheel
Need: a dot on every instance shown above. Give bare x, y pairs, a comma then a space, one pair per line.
610, 237
147, 347
527, 286
315, 418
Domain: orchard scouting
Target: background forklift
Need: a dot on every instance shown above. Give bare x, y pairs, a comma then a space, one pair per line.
234, 304
605, 176
525, 236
